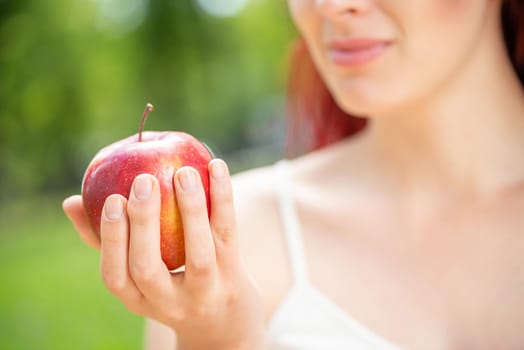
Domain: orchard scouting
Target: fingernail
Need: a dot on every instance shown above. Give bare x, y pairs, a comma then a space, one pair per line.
113, 208
218, 170
188, 179
143, 187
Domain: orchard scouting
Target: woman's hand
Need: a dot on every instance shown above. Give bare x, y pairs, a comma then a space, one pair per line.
213, 304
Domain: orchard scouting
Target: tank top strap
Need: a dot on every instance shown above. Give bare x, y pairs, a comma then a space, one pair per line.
291, 225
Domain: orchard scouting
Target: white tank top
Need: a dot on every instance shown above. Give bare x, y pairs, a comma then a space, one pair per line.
306, 319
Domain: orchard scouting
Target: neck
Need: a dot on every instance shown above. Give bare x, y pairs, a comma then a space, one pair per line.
468, 137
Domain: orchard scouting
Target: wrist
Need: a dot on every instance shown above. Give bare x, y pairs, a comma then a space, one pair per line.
256, 342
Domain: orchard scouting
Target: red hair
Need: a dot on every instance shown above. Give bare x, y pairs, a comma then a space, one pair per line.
315, 120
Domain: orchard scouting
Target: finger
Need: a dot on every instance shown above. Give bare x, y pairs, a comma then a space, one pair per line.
145, 261
223, 221
114, 252
199, 245
74, 209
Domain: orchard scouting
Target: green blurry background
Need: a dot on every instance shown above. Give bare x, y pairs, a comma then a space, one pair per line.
75, 76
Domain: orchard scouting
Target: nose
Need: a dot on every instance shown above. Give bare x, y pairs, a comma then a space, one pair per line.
337, 9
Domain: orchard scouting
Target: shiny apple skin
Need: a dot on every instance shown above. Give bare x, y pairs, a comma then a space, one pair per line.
114, 168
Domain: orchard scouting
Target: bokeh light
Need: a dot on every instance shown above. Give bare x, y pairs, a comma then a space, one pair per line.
222, 8
120, 17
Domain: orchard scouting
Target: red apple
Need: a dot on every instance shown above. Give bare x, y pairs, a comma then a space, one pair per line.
114, 168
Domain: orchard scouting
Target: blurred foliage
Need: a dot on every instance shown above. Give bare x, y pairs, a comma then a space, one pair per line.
52, 297
75, 77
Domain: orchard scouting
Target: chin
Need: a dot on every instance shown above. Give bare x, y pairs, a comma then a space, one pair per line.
361, 107
371, 103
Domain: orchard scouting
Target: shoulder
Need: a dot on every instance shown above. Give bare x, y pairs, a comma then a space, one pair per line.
255, 192
262, 244
257, 183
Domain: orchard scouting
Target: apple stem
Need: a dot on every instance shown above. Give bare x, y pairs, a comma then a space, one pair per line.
149, 108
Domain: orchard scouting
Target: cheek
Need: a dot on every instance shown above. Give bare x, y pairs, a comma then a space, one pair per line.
437, 18
438, 38
430, 17
309, 24
301, 12
440, 32
434, 11
444, 10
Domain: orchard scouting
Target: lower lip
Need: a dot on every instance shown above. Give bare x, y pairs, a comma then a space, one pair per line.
357, 57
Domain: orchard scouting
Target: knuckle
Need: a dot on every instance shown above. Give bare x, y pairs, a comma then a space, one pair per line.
224, 192
110, 236
225, 231
115, 283
191, 207
192, 212
142, 220
143, 272
136, 305
202, 269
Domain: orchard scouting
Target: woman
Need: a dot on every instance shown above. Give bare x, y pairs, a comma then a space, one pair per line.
409, 234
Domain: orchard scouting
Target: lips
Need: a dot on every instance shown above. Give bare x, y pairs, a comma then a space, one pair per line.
356, 52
